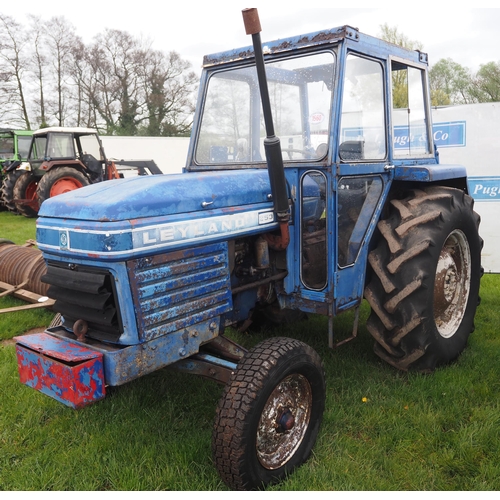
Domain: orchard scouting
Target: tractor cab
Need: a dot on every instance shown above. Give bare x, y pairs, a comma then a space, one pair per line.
14, 146
57, 145
350, 113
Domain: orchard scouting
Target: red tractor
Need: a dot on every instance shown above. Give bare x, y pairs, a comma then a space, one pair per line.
62, 159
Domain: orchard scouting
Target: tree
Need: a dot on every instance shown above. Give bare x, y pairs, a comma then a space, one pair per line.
115, 57
13, 66
61, 39
118, 84
80, 75
40, 67
92, 74
168, 87
486, 84
135, 89
450, 83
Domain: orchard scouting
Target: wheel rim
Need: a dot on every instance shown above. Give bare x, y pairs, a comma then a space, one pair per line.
452, 285
64, 185
30, 191
284, 421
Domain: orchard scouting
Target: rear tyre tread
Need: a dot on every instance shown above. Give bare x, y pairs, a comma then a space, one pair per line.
55, 175
25, 188
402, 286
7, 192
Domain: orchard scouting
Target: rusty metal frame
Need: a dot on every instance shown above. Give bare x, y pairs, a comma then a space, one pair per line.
20, 292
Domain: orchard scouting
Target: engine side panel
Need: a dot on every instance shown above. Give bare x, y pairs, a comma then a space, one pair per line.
176, 290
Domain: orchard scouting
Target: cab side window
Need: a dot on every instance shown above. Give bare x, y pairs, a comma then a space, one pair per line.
411, 137
362, 130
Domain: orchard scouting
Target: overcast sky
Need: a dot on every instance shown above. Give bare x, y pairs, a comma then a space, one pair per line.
469, 36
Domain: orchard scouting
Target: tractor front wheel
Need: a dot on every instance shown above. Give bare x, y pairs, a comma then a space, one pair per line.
24, 193
426, 272
269, 416
60, 180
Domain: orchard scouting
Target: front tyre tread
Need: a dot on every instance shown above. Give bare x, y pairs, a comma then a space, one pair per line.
238, 424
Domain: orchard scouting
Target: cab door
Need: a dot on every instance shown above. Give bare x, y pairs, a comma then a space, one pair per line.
363, 175
339, 206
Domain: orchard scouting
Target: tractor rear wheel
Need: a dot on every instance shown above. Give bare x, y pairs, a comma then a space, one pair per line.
60, 180
7, 193
425, 278
269, 416
25, 189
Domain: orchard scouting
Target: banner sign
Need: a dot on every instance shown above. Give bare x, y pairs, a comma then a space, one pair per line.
449, 134
446, 135
484, 188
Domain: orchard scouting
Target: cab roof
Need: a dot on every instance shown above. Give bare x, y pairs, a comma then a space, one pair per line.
69, 130
318, 38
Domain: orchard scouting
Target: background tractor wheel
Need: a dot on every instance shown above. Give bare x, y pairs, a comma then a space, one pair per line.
269, 416
424, 288
7, 192
58, 181
25, 189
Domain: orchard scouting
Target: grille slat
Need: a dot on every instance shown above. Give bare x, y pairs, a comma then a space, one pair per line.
179, 296
157, 269
83, 299
168, 286
183, 309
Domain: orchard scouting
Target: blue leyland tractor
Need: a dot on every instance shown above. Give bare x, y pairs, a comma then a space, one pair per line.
311, 181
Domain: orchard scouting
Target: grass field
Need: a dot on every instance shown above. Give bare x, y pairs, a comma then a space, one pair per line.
382, 430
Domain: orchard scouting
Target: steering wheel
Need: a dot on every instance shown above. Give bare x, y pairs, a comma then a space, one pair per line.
304, 152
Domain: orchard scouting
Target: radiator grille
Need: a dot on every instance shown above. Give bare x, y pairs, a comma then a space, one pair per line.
178, 289
86, 293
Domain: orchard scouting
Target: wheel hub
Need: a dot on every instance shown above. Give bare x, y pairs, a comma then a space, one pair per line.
446, 281
452, 284
284, 421
64, 185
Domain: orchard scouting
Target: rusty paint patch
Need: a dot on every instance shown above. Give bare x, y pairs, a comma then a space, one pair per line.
70, 373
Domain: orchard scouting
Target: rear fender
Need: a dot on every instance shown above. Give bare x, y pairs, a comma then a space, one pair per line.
443, 174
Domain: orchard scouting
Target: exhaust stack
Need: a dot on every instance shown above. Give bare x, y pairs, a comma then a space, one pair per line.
272, 144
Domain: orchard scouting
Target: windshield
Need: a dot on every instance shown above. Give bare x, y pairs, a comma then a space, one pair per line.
232, 128
60, 145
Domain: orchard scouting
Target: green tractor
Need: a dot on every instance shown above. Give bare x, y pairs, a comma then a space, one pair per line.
14, 148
